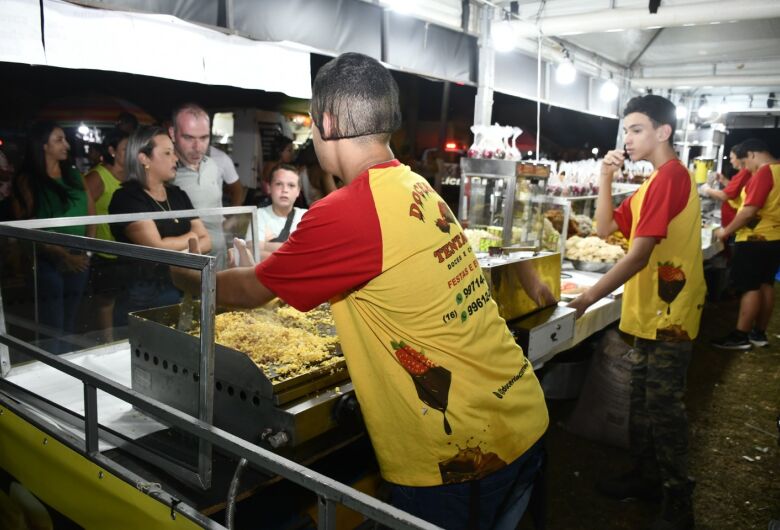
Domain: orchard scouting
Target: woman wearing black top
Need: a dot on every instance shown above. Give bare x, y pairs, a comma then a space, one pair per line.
151, 164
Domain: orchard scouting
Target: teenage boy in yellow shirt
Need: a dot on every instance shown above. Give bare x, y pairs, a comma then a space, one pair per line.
662, 301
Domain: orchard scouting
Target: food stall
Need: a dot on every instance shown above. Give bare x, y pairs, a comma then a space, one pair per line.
177, 405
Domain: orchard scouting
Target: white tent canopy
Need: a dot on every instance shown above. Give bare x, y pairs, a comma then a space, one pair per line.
148, 44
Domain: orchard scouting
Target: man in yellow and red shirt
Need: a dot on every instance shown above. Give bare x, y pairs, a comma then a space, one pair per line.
730, 194
757, 248
662, 301
451, 404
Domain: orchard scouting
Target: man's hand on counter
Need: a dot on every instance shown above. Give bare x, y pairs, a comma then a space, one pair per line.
581, 304
636, 259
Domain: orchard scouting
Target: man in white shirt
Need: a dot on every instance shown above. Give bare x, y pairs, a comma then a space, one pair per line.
228, 175
278, 220
198, 174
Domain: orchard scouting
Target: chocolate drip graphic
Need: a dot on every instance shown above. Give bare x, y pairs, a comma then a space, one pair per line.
469, 464
431, 381
671, 280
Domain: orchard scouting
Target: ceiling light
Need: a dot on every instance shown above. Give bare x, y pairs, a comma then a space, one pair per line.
83, 130
688, 25
401, 6
715, 23
681, 112
609, 90
565, 73
705, 111
616, 30
503, 36
653, 27
595, 151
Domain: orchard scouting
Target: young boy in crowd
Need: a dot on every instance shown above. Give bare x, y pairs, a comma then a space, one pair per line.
662, 301
279, 219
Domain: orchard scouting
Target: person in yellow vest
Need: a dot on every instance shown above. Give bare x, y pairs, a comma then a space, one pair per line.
102, 181
757, 248
453, 408
662, 302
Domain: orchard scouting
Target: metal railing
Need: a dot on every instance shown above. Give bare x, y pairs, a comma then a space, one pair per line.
329, 492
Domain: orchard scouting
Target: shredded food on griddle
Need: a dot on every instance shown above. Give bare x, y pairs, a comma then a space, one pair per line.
283, 341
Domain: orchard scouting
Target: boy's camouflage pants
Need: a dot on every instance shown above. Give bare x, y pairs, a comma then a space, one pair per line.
658, 424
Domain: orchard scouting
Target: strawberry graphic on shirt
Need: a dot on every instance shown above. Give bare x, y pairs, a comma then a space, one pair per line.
671, 280
443, 223
431, 381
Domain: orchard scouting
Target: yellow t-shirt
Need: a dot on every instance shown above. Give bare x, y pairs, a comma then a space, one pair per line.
763, 191
664, 300
110, 185
446, 393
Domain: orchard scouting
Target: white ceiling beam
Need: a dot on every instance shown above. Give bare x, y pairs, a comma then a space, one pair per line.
625, 18
702, 81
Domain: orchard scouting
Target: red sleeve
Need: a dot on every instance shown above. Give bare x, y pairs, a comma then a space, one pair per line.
758, 187
336, 247
623, 217
735, 185
666, 196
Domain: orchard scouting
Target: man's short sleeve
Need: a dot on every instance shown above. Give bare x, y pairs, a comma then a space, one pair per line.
336, 248
623, 217
735, 185
227, 170
758, 187
666, 196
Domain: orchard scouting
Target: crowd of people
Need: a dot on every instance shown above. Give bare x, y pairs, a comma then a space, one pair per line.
140, 169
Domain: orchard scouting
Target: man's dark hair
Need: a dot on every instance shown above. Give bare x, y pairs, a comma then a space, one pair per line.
190, 108
360, 96
660, 110
737, 150
127, 119
751, 144
280, 143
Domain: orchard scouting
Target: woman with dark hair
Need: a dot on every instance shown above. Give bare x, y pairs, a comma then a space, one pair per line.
50, 186
150, 165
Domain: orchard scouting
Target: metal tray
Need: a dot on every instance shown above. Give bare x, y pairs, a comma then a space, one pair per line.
592, 266
246, 402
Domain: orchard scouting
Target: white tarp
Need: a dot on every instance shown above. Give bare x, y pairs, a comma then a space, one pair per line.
20, 38
147, 44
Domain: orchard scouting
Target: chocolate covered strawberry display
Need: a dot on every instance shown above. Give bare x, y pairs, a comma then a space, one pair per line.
671, 280
432, 382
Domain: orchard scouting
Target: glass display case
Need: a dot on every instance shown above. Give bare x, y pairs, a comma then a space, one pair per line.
503, 203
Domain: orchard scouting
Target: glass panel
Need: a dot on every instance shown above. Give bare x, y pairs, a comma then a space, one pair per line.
89, 307
486, 204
